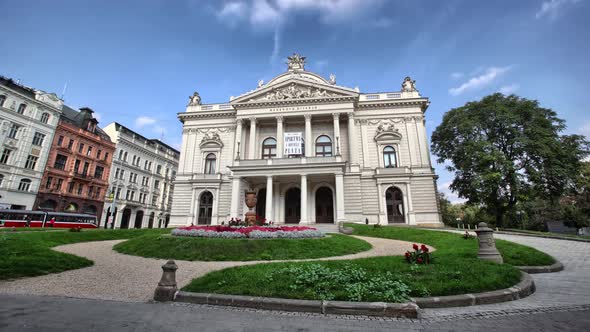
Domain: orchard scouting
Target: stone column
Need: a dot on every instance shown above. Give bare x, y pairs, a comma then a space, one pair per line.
252, 141
487, 244
309, 146
336, 117
365, 143
239, 148
340, 215
423, 139
235, 197
303, 219
269, 204
280, 137
352, 146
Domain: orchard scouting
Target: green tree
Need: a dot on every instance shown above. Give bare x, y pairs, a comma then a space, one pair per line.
449, 212
505, 148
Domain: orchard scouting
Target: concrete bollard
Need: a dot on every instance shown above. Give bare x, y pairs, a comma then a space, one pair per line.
167, 289
487, 244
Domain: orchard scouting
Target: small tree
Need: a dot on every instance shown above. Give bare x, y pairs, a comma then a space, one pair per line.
573, 216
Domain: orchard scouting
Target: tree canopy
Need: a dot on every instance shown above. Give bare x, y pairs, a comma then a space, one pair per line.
503, 149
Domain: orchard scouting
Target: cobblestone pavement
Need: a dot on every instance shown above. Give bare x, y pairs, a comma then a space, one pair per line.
115, 276
42, 313
570, 287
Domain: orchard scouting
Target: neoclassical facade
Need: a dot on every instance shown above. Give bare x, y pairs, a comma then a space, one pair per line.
312, 150
28, 119
140, 180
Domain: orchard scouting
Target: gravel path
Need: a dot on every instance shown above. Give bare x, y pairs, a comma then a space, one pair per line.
120, 277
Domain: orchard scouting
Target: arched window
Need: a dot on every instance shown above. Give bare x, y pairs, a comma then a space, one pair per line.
2, 100
323, 146
21, 108
389, 157
24, 185
45, 117
210, 164
120, 154
269, 148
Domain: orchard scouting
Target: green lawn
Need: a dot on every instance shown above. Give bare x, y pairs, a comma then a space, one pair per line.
215, 249
455, 270
28, 254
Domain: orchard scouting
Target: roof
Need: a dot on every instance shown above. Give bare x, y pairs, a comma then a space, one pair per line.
9, 83
81, 118
119, 126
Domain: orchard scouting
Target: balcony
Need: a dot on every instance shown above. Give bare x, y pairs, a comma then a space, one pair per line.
289, 161
82, 176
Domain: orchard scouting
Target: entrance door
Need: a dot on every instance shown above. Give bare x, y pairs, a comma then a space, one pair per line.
125, 218
151, 220
261, 203
324, 206
205, 208
138, 219
395, 205
293, 206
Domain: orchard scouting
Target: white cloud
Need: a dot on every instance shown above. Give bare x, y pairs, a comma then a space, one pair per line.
451, 196
143, 121
554, 8
478, 82
457, 75
509, 89
585, 129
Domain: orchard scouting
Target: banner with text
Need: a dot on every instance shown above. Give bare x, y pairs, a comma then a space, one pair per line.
293, 144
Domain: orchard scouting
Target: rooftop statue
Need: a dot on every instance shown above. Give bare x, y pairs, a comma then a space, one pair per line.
195, 99
332, 79
296, 62
409, 85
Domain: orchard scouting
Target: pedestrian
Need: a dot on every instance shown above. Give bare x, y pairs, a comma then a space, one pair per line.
28, 221
52, 222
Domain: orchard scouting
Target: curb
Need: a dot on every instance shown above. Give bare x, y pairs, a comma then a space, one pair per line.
555, 267
544, 236
399, 310
524, 288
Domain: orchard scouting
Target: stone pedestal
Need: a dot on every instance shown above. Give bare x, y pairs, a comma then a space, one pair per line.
487, 244
167, 287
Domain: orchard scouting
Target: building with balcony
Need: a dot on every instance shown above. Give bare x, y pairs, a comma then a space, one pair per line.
78, 166
140, 183
28, 119
313, 152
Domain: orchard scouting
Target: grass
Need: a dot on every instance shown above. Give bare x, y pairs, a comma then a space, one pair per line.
215, 249
29, 254
455, 269
559, 235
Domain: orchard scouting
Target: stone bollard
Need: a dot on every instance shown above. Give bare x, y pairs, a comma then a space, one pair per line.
167, 286
487, 245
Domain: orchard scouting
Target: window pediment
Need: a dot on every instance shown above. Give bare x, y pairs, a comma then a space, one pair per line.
386, 132
211, 140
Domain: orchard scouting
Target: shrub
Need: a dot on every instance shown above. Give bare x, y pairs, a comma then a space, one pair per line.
420, 255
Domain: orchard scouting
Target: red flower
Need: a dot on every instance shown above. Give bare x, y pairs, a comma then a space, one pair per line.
408, 254
415, 246
419, 260
424, 248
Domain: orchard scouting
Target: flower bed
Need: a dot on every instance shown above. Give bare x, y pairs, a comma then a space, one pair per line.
252, 232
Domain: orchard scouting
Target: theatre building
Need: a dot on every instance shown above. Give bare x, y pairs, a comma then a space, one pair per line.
313, 152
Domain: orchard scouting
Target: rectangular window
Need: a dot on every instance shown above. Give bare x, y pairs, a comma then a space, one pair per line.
80, 189
98, 190
118, 193
89, 151
31, 162
98, 171
122, 174
154, 200
38, 139
48, 183
131, 177
60, 140
133, 195
60, 162
98, 153
76, 166
145, 165
13, 131
5, 155
106, 156
135, 178
85, 170
117, 173
59, 184
127, 192
71, 187
157, 184
70, 144
90, 191
159, 169
80, 147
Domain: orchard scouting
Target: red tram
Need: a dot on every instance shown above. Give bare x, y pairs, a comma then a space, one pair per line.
18, 218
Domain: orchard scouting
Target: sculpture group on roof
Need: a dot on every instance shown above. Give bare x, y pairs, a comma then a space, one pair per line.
294, 91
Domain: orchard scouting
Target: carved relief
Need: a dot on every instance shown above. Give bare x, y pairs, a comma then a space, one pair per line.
211, 138
387, 131
295, 91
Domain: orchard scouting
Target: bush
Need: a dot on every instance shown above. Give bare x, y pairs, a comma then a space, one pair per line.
419, 256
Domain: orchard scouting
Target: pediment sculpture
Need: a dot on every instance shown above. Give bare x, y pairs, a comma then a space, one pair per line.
195, 99
209, 138
296, 62
409, 85
386, 129
294, 91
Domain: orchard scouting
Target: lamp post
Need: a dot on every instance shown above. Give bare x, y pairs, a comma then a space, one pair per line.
520, 219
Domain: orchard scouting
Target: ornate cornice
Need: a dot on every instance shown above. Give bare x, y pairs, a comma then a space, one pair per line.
423, 103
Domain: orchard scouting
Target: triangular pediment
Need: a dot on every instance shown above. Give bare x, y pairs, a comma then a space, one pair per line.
294, 89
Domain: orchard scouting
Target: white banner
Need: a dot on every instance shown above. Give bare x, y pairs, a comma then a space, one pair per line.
293, 144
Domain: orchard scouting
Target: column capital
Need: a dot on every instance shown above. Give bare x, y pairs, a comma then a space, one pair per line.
307, 117
350, 115
239, 121
269, 177
253, 120
336, 115
280, 118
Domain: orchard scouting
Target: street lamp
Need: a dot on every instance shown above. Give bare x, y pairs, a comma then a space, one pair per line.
519, 215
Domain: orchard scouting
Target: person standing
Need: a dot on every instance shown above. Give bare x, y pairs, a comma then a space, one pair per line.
28, 221
52, 222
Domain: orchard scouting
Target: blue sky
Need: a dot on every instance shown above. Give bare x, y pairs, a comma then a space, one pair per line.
137, 62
